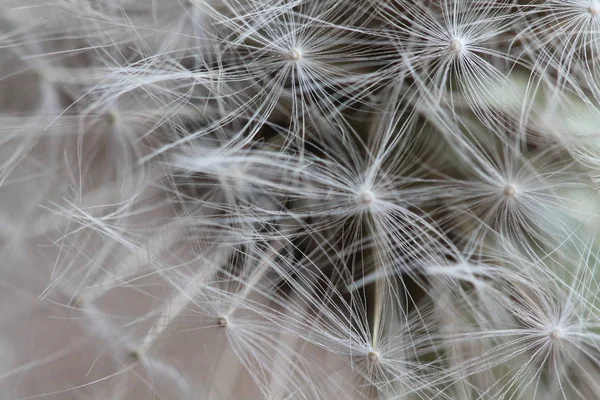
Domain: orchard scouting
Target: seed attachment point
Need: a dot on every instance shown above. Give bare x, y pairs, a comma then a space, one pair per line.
294, 54
373, 357
222, 322
457, 46
510, 190
135, 355
365, 198
112, 116
555, 334
594, 9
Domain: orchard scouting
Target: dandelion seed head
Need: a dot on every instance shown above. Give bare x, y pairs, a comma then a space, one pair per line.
301, 196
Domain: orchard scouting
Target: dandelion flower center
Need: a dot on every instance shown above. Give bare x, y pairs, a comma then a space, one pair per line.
594, 9
222, 322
